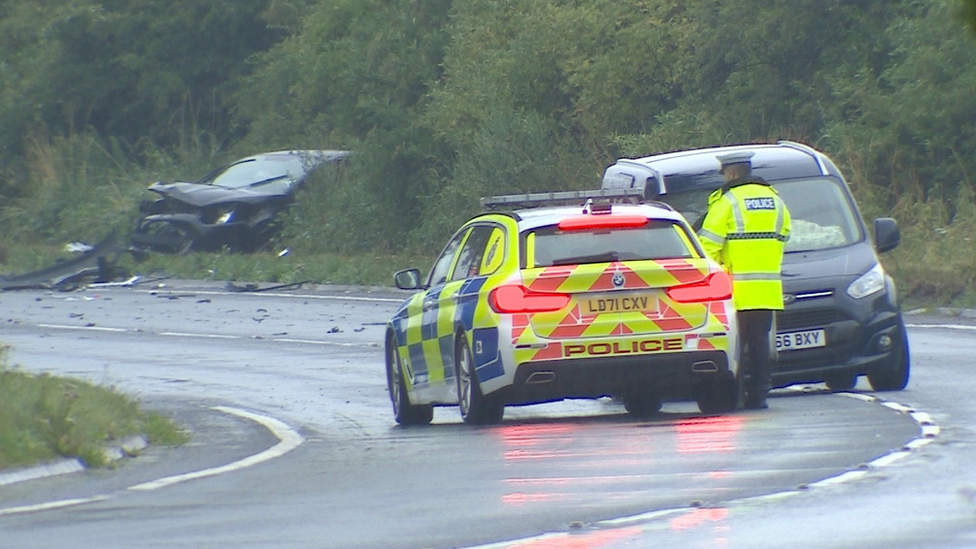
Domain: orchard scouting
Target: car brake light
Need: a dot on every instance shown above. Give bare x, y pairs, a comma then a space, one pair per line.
604, 221
515, 298
715, 287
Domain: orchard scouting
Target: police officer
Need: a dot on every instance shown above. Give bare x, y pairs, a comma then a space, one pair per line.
745, 229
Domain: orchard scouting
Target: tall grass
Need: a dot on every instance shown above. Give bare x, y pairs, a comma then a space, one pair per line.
80, 187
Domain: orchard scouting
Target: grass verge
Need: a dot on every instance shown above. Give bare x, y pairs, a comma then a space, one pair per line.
366, 269
43, 417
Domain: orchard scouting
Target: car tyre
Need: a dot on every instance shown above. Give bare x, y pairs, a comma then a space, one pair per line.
185, 237
476, 409
840, 381
719, 395
894, 376
642, 405
404, 411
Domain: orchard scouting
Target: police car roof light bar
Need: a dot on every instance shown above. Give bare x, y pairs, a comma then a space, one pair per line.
599, 207
534, 200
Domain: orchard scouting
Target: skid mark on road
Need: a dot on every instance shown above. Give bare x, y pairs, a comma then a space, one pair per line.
288, 438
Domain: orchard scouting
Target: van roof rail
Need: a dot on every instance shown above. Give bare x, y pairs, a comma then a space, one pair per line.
535, 200
817, 156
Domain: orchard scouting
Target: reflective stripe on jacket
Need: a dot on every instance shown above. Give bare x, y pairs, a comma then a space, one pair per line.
745, 230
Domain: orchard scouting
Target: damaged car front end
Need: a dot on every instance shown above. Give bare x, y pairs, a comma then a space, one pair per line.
233, 207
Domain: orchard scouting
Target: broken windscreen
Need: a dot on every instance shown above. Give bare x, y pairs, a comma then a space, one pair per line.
822, 214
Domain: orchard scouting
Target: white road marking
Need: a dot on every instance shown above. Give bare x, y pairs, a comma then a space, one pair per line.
946, 326
289, 440
205, 336
269, 294
215, 336
50, 506
90, 328
318, 342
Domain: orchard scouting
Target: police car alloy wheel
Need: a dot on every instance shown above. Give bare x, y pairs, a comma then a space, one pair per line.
476, 409
404, 412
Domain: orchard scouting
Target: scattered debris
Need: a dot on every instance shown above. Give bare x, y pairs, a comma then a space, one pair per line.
231, 287
97, 263
127, 283
78, 247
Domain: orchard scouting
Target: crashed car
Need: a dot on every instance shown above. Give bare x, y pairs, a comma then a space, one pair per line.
232, 207
533, 302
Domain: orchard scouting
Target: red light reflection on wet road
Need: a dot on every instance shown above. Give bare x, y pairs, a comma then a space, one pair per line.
567, 463
593, 540
708, 434
699, 517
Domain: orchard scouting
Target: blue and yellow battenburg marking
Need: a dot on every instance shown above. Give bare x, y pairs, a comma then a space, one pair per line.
598, 323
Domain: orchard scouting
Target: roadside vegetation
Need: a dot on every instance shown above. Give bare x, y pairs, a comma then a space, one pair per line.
43, 417
447, 101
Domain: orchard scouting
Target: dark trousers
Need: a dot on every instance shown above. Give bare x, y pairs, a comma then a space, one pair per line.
754, 326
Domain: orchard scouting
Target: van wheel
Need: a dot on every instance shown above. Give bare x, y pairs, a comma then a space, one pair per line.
895, 373
642, 405
404, 412
840, 381
719, 396
476, 409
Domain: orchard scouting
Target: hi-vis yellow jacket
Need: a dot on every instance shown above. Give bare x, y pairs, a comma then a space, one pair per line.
745, 230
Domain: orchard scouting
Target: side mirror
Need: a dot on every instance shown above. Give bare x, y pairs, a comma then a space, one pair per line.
408, 279
886, 234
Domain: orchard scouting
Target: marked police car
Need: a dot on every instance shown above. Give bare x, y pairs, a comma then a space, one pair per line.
842, 318
546, 302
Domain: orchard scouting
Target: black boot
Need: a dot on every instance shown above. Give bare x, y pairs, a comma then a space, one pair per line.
755, 399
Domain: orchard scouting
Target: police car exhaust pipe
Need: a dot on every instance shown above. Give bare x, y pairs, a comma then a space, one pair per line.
704, 367
541, 377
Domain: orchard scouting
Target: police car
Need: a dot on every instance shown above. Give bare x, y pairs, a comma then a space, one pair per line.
532, 302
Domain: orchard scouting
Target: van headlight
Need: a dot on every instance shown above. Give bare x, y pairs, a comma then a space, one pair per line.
869, 283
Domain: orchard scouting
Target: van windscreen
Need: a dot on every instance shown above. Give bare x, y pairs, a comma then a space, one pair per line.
822, 215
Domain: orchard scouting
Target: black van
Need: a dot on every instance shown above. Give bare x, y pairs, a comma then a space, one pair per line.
842, 318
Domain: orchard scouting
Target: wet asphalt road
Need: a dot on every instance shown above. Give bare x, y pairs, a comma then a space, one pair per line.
312, 359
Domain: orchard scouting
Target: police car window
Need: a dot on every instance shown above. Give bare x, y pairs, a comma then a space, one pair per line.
659, 239
469, 258
821, 213
438, 273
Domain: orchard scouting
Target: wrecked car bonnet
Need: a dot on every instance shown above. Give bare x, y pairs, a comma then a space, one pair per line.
205, 195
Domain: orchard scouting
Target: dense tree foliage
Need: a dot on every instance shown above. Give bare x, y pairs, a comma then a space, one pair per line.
133, 71
445, 101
